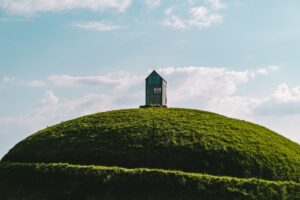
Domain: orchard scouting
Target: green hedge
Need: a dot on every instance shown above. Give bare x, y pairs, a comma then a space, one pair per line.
64, 181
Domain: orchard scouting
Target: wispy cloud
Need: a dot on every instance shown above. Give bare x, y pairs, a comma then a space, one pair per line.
215, 89
7, 79
216, 4
197, 16
50, 98
115, 80
174, 21
285, 100
31, 83
195, 84
286, 94
31, 7
153, 3
98, 26
267, 70
51, 109
35, 83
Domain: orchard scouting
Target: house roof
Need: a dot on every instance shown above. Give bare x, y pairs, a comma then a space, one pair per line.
154, 72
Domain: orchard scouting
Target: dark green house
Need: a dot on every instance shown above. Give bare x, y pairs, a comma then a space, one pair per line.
156, 90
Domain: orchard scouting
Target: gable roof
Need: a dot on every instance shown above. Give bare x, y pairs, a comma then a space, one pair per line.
154, 72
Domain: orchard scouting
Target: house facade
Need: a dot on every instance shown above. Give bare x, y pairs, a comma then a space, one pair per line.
156, 90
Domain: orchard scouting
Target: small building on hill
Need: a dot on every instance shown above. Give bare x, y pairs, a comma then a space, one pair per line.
156, 90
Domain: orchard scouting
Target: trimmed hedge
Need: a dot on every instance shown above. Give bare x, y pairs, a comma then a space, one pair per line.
179, 139
64, 181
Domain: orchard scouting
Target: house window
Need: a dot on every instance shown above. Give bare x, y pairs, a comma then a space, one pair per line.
157, 90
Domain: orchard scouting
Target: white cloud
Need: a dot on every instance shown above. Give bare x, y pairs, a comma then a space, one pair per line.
51, 110
197, 16
119, 80
63, 110
201, 18
213, 89
31, 7
284, 101
203, 87
50, 98
285, 94
7, 79
174, 21
216, 4
234, 106
98, 26
33, 84
153, 3
66, 80
267, 70
216, 89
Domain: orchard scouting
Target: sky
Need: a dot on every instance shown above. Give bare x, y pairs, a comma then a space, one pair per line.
61, 59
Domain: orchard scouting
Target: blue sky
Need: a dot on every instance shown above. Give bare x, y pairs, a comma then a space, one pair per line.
62, 59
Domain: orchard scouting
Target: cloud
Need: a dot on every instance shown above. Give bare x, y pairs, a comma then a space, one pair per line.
98, 26
7, 79
267, 70
202, 18
216, 89
283, 101
51, 110
33, 84
31, 7
118, 80
216, 4
234, 106
199, 86
153, 3
197, 16
50, 99
285, 94
174, 21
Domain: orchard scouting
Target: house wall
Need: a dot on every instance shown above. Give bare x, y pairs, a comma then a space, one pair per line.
156, 90
151, 97
164, 92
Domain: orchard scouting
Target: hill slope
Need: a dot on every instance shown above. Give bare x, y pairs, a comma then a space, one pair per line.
63, 181
179, 139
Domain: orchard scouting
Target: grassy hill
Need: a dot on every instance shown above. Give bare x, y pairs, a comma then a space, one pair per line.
63, 181
155, 139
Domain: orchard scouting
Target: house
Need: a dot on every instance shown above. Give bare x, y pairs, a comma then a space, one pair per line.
156, 90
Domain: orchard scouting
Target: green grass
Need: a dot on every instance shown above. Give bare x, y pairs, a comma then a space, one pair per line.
63, 181
177, 139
